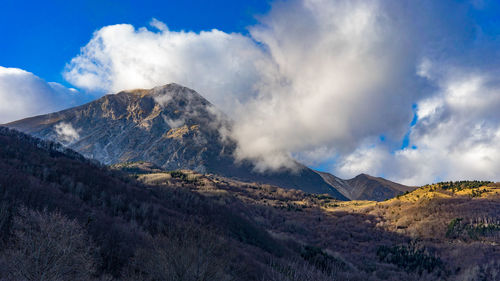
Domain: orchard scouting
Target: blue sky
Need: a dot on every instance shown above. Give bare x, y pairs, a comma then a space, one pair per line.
409, 90
42, 36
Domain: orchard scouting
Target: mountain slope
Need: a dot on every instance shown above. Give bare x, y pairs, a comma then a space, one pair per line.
230, 230
365, 187
170, 126
119, 214
425, 233
135, 125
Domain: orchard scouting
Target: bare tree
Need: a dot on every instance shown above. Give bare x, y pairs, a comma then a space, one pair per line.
186, 253
296, 270
49, 246
5, 222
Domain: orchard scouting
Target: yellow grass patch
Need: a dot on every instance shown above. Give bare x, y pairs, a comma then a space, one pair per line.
178, 133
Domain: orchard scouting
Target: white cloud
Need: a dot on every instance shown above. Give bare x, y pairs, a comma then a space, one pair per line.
173, 123
66, 133
457, 136
339, 66
221, 66
163, 100
23, 94
318, 80
352, 71
158, 25
461, 137
289, 95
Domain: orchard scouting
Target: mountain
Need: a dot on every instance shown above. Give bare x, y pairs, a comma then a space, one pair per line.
170, 126
366, 187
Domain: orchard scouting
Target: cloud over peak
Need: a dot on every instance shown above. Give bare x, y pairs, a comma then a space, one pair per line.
311, 74
222, 66
329, 82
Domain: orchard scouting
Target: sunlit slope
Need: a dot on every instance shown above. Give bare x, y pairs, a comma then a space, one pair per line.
445, 231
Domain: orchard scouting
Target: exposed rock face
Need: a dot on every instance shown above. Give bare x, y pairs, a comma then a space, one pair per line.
171, 126
366, 187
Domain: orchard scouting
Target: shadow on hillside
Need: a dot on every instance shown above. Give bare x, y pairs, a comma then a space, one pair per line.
123, 217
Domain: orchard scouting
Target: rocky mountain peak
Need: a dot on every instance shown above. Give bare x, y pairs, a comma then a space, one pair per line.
168, 107
169, 93
363, 176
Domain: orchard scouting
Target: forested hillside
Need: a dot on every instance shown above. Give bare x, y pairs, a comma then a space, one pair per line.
63, 217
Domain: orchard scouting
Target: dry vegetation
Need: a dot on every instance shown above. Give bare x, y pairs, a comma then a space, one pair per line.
440, 231
65, 218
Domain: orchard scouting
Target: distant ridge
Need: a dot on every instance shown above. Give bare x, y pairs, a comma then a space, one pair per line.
366, 187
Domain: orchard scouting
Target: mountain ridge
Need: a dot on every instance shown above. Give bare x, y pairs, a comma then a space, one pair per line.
171, 126
366, 187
